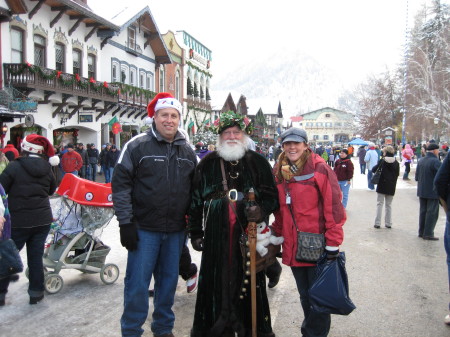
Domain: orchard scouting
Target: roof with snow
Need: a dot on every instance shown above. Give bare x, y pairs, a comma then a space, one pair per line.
316, 113
142, 18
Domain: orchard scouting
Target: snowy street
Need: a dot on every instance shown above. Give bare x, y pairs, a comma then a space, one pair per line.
397, 281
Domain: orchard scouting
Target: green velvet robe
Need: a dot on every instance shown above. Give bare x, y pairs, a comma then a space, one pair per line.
222, 273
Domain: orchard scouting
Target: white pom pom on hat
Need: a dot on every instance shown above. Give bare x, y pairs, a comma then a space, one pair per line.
40, 145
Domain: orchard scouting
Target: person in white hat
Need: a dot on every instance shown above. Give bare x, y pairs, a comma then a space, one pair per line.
29, 181
151, 188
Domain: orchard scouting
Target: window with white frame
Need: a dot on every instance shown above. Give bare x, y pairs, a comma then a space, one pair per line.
150, 82
115, 73
92, 66
39, 50
132, 37
60, 59
124, 74
141, 80
177, 85
161, 79
76, 59
133, 77
17, 45
326, 137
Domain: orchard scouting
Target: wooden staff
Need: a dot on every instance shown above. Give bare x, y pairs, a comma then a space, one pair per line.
251, 229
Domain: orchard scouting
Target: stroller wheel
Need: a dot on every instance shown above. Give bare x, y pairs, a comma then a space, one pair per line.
109, 273
53, 283
27, 272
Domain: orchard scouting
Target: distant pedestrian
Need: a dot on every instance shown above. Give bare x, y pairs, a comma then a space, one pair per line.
102, 161
407, 156
371, 158
426, 170
84, 171
29, 181
361, 154
12, 149
390, 170
93, 161
112, 157
344, 173
71, 161
442, 185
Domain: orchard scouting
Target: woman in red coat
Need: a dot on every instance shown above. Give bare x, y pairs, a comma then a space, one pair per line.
308, 191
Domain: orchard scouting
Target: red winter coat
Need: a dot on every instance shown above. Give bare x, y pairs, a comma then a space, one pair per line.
10, 147
71, 161
343, 169
315, 202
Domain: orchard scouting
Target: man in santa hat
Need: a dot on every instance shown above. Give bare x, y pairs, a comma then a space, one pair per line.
29, 181
151, 188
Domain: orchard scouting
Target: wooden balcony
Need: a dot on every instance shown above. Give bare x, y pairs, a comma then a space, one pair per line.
26, 76
198, 103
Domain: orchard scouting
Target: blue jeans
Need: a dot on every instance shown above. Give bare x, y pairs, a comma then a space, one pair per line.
345, 188
107, 174
314, 324
369, 177
93, 171
34, 238
447, 247
158, 253
363, 168
111, 172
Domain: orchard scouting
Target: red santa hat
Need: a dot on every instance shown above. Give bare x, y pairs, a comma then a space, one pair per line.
161, 101
40, 145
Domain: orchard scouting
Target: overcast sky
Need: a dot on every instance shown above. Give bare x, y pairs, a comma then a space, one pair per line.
353, 37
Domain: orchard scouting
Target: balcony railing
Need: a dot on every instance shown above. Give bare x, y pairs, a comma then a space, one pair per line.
198, 102
133, 95
20, 75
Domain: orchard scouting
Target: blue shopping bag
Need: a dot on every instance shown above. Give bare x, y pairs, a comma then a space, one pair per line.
329, 292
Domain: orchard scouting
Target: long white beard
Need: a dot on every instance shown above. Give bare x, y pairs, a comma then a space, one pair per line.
232, 152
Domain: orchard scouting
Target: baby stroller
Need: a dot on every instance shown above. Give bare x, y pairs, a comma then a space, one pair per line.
81, 209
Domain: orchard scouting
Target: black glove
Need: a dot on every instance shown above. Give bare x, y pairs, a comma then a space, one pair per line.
129, 236
254, 213
197, 244
332, 254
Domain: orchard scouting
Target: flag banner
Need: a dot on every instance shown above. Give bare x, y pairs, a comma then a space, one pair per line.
112, 121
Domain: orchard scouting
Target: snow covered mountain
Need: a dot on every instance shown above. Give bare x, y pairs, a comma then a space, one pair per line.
295, 79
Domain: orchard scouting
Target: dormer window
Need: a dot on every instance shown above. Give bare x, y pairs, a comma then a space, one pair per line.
132, 38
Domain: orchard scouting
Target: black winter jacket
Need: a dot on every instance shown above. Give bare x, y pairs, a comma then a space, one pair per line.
93, 156
111, 158
151, 184
426, 170
29, 181
442, 182
390, 171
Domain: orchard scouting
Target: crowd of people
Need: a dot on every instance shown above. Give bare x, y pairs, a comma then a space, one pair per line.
166, 191
87, 163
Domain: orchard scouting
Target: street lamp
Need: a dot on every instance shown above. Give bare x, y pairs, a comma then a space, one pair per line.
436, 122
64, 116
